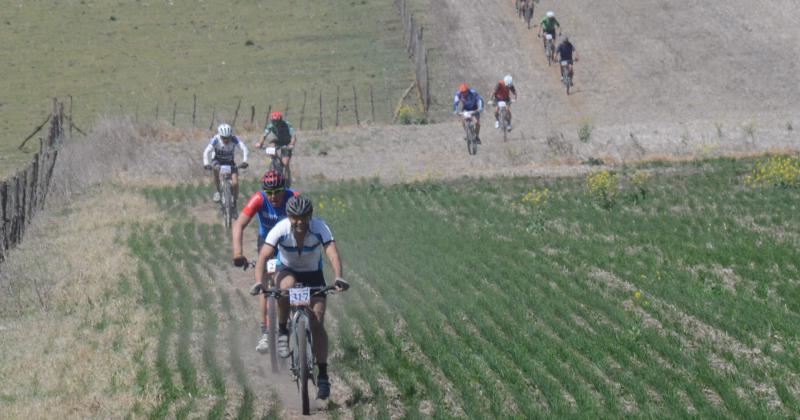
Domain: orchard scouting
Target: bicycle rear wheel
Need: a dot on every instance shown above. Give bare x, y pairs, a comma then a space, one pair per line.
302, 363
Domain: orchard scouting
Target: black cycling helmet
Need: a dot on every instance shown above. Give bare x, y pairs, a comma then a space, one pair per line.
299, 206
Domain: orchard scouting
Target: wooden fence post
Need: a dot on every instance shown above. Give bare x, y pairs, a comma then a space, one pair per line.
286, 108
252, 114
174, 111
70, 115
269, 111
319, 121
194, 110
371, 105
236, 113
156, 111
337, 106
213, 116
303, 109
355, 105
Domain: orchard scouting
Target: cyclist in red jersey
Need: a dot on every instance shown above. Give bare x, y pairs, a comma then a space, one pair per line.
502, 92
270, 206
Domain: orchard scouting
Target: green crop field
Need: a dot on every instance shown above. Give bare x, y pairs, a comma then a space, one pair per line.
132, 57
530, 297
674, 296
527, 297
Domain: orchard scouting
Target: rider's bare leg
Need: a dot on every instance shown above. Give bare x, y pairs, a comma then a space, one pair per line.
478, 127
235, 187
283, 303
215, 176
320, 336
264, 310
497, 113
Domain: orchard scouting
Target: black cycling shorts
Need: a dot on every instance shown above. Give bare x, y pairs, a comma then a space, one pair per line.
307, 278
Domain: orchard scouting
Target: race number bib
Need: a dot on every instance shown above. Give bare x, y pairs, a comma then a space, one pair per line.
225, 169
271, 151
272, 265
300, 296
501, 104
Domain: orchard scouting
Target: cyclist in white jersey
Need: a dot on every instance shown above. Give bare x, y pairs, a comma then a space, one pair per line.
300, 238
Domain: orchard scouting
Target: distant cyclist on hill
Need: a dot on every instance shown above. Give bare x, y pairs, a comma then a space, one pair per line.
283, 135
300, 240
565, 52
548, 25
222, 147
270, 206
470, 100
502, 92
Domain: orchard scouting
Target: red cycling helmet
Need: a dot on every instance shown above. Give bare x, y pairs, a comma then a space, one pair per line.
463, 88
277, 115
273, 179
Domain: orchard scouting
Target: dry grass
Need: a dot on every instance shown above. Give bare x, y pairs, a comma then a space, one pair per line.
69, 331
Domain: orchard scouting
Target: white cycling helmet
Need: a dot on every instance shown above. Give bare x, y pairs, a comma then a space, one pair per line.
508, 80
224, 130
551, 14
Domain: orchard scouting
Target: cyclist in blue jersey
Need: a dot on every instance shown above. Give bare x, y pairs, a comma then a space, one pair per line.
270, 206
470, 100
565, 52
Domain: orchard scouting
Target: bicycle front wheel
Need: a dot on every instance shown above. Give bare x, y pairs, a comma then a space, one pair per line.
272, 331
227, 206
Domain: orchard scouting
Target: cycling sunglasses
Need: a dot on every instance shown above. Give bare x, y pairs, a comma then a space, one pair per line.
274, 191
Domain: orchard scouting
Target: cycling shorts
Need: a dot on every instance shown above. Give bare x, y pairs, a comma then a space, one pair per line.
217, 164
284, 152
551, 32
307, 278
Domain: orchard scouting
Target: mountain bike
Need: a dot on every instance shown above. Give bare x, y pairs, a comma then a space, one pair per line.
272, 314
567, 80
548, 47
227, 205
276, 154
505, 119
469, 129
301, 343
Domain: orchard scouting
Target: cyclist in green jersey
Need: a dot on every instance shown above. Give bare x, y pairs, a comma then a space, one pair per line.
283, 133
548, 25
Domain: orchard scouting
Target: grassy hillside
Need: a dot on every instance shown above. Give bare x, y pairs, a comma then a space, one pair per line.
130, 57
674, 295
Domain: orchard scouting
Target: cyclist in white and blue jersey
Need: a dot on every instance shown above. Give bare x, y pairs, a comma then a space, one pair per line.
300, 240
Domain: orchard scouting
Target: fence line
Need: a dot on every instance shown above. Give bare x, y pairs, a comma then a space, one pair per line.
23, 194
418, 52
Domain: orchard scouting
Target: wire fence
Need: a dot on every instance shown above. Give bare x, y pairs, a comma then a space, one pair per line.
23, 194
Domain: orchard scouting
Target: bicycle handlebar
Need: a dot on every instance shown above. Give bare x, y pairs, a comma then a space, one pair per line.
315, 291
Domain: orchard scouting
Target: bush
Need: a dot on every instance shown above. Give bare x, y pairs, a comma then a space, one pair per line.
639, 181
603, 187
779, 171
405, 115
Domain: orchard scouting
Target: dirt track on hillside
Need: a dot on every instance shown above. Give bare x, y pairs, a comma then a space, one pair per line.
656, 80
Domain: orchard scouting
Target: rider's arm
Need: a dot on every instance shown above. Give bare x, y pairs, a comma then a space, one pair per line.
267, 251
293, 134
207, 152
480, 103
333, 257
243, 220
455, 102
244, 150
513, 90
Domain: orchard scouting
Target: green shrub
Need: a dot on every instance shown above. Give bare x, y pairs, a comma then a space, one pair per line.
603, 187
780, 171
